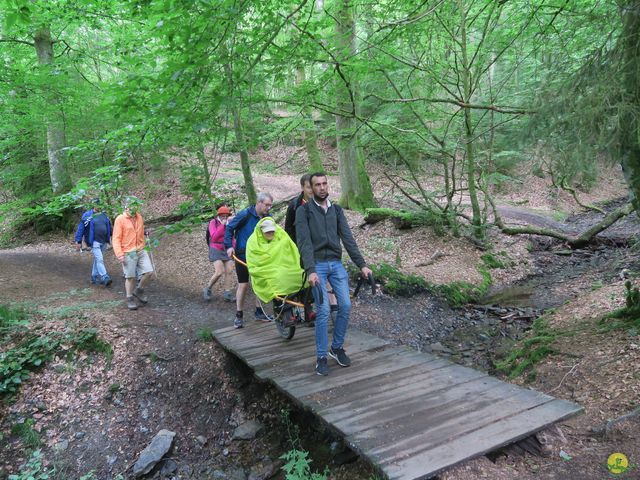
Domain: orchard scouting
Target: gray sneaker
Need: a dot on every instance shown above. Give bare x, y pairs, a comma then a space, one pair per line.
228, 296
139, 294
238, 323
206, 293
131, 303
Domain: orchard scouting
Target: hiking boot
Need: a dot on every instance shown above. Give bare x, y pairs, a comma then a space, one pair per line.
131, 303
322, 368
206, 293
107, 280
139, 294
228, 296
237, 322
340, 356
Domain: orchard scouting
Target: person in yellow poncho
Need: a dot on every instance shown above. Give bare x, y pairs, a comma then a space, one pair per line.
273, 262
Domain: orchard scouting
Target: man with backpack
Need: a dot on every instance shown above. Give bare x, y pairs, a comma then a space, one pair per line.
320, 227
95, 229
240, 229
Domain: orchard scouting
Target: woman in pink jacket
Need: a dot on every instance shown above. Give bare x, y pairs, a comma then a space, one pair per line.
217, 254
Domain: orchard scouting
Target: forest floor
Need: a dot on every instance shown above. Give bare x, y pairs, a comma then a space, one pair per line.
93, 413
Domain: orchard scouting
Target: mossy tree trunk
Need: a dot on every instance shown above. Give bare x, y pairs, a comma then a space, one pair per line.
630, 124
56, 138
309, 135
468, 126
354, 180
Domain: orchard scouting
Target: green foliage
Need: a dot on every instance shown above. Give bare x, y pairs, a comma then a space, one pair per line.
531, 351
627, 317
397, 283
12, 318
461, 293
205, 335
298, 467
30, 354
87, 340
25, 431
33, 469
31, 350
499, 260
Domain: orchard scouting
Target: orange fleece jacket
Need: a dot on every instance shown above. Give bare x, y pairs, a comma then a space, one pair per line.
128, 234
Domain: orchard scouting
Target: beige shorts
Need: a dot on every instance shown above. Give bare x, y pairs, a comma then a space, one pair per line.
136, 263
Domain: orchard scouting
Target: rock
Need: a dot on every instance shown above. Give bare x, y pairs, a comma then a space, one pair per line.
111, 460
153, 453
263, 470
201, 440
168, 467
436, 347
79, 435
61, 446
225, 452
247, 431
237, 474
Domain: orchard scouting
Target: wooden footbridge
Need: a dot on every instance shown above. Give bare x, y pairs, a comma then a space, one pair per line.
411, 414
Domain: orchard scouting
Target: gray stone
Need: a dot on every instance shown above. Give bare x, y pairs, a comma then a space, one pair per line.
436, 347
153, 453
263, 470
247, 431
168, 467
61, 446
79, 435
111, 459
202, 440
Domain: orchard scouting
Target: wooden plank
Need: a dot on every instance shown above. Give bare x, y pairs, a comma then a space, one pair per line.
451, 409
412, 414
399, 397
480, 441
424, 373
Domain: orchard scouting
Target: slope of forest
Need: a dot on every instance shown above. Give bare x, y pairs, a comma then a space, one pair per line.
162, 375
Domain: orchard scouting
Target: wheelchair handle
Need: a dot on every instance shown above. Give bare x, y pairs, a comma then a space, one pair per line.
370, 281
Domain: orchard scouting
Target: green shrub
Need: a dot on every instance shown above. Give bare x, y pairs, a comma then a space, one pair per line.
33, 470
461, 293
298, 466
205, 335
531, 351
627, 316
397, 283
26, 433
29, 355
87, 340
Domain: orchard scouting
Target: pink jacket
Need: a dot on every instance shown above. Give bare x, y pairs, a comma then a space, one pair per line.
216, 234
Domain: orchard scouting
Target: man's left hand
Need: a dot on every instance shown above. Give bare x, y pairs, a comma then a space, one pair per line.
365, 272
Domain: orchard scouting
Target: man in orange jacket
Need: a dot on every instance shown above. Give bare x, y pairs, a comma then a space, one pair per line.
128, 243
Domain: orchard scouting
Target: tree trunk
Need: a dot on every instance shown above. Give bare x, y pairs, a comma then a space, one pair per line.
356, 186
55, 125
240, 140
468, 126
309, 133
629, 125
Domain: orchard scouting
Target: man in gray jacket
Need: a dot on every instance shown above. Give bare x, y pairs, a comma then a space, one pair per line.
320, 226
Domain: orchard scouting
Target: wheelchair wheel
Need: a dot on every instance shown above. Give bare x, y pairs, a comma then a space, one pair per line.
285, 319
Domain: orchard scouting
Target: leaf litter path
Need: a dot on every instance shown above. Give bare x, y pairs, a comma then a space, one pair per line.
105, 412
411, 414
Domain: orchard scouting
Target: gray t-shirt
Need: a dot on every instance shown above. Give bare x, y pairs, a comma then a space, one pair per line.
100, 222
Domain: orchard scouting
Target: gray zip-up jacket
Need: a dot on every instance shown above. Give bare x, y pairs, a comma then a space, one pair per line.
318, 236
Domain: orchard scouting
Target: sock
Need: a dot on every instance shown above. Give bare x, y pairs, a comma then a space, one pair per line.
239, 314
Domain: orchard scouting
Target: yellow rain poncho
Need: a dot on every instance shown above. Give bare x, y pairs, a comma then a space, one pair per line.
274, 266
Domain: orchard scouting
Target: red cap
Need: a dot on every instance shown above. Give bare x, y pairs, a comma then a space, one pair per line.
224, 211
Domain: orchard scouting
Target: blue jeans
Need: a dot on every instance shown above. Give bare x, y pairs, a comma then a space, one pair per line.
98, 270
335, 273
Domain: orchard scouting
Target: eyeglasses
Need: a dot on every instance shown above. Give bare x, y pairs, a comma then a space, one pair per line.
268, 205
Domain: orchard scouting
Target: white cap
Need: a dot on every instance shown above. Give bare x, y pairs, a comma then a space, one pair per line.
267, 225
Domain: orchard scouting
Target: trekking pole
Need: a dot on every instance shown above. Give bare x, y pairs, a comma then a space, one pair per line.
153, 264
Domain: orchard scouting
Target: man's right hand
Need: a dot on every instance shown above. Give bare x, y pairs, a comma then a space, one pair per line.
230, 252
314, 279
121, 259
